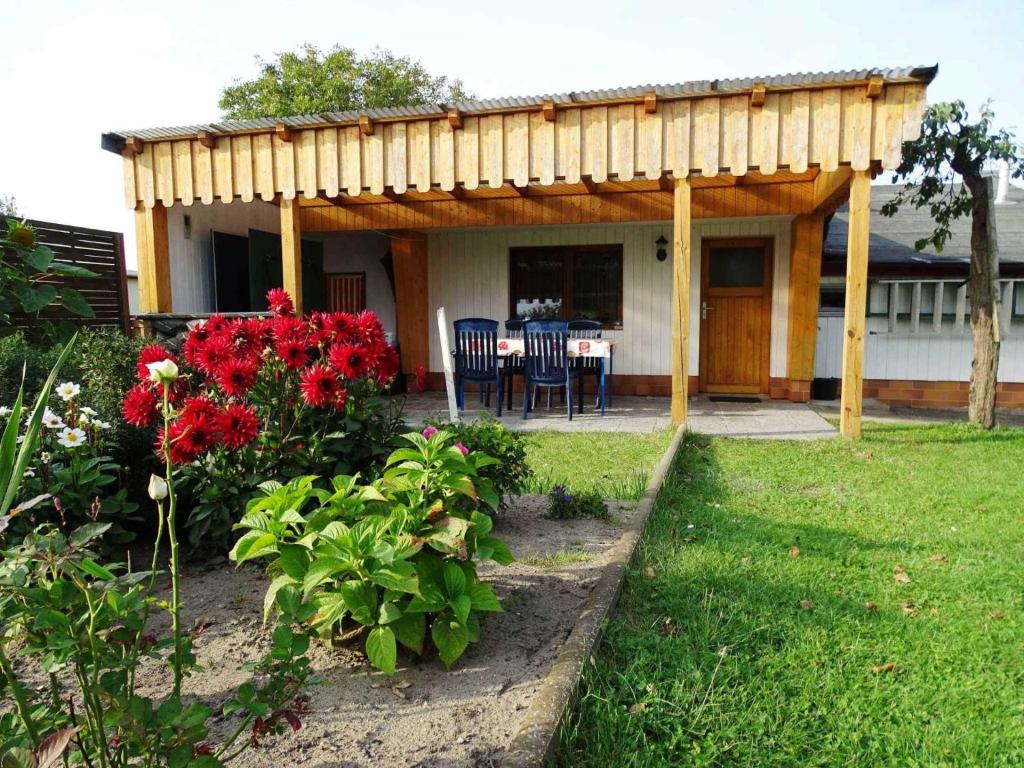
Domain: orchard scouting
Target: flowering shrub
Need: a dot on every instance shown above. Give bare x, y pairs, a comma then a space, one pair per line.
264, 398
86, 627
70, 478
388, 559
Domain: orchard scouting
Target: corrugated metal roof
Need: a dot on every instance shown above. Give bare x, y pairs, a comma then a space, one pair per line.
114, 140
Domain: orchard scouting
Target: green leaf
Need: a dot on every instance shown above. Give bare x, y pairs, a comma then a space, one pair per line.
461, 607
454, 580
71, 270
34, 299
322, 569
492, 548
271, 597
293, 560
252, 545
75, 303
288, 600
86, 533
482, 596
361, 601
17, 757
411, 629
399, 576
389, 612
94, 569
381, 649
451, 639
39, 258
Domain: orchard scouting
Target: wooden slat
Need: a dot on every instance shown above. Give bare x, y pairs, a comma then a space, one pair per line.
419, 155
888, 142
397, 172
306, 165
857, 133
517, 149
202, 165
595, 143
542, 149
131, 194
328, 168
827, 129
681, 236
569, 130
622, 161
492, 136
263, 161
284, 166
650, 141
468, 153
183, 187
856, 304
914, 104
146, 181
677, 138
736, 134
350, 156
223, 184
241, 169
706, 136
164, 172
799, 131
446, 156
767, 137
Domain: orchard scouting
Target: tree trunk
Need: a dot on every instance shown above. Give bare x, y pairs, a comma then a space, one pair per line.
983, 288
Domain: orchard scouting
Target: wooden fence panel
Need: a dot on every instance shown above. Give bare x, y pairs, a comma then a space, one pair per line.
96, 250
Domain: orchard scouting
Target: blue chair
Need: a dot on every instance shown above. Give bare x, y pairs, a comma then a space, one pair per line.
547, 360
589, 366
476, 357
513, 364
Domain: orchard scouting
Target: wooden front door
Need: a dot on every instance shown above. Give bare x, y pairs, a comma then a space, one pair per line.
736, 308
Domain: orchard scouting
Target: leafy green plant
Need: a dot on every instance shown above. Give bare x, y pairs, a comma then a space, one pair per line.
85, 626
511, 472
389, 559
566, 505
27, 278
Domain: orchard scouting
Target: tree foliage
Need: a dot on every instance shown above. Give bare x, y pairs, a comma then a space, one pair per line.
310, 81
950, 145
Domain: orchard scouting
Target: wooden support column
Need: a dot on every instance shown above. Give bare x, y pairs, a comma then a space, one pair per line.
291, 251
856, 303
804, 295
412, 299
154, 259
681, 237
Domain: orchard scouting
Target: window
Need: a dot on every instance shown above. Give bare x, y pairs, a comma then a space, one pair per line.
833, 299
576, 282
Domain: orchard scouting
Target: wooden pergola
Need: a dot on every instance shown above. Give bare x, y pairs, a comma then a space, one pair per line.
795, 145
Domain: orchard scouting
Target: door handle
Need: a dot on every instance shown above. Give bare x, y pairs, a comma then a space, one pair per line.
703, 310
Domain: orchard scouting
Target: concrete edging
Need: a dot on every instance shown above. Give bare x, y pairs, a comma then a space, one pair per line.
537, 737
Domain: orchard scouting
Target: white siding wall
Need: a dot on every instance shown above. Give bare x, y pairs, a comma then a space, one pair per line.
192, 288
468, 273
922, 356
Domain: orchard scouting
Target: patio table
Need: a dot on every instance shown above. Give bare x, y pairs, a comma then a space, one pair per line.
599, 348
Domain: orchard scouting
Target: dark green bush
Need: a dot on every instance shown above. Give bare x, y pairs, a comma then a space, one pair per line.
497, 441
566, 505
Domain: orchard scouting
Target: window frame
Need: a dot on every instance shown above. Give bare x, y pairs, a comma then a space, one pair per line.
568, 254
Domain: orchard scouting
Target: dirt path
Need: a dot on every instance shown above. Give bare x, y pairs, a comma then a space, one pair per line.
426, 716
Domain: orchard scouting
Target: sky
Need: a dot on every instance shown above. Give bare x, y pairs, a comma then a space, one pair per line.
72, 70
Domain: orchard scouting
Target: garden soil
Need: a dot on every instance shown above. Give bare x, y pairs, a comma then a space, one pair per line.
425, 715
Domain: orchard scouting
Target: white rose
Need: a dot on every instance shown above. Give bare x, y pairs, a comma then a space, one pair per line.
157, 488
164, 372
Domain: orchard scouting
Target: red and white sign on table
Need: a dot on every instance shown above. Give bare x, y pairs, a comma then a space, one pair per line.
577, 347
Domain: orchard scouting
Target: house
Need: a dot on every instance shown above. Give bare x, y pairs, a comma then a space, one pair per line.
918, 347
687, 218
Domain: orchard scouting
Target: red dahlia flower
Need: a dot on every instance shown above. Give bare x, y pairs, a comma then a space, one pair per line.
350, 360
319, 386
238, 425
236, 377
215, 354
293, 353
200, 433
151, 353
341, 324
199, 407
140, 406
181, 451
288, 328
280, 302
387, 366
367, 329
216, 323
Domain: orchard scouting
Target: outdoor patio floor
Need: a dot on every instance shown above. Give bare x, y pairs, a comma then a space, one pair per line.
770, 419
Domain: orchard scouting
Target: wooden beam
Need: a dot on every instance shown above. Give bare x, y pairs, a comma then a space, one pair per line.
133, 144
412, 304
454, 118
804, 294
283, 132
681, 236
206, 139
856, 304
548, 110
831, 188
291, 251
152, 246
757, 95
590, 184
650, 102
365, 125
875, 83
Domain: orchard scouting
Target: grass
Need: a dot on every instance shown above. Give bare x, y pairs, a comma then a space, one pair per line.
556, 559
830, 603
615, 464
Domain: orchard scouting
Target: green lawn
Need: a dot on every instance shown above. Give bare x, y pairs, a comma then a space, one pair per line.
893, 635
617, 464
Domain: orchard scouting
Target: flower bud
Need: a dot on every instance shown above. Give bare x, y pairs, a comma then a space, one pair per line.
157, 488
163, 372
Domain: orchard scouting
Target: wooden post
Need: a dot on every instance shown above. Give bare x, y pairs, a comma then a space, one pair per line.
856, 303
412, 310
804, 295
154, 259
681, 237
291, 251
